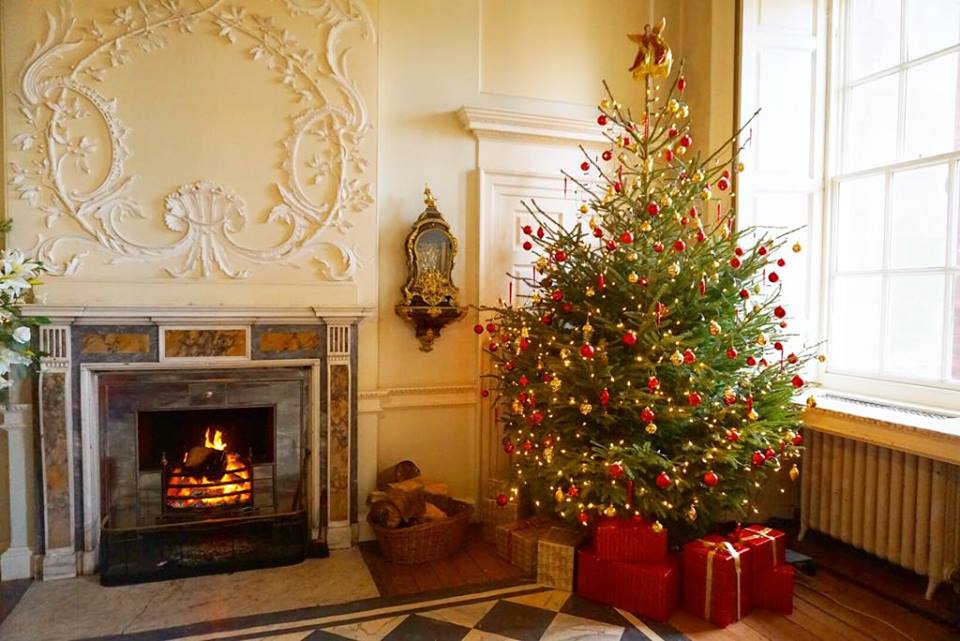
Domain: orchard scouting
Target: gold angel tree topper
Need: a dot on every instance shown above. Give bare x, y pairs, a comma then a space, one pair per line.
653, 55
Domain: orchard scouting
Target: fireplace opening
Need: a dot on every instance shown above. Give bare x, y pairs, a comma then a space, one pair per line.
207, 458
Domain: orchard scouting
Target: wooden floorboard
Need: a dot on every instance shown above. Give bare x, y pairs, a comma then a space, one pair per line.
827, 607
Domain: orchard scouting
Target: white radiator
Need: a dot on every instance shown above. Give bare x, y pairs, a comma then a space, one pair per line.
897, 506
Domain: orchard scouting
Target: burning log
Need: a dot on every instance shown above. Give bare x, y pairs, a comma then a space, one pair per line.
204, 461
209, 477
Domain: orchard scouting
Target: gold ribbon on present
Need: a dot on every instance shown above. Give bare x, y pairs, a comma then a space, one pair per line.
762, 533
711, 554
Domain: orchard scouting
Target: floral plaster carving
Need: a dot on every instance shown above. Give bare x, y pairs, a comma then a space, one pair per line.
59, 88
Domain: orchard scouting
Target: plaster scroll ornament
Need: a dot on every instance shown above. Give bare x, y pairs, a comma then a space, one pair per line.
58, 89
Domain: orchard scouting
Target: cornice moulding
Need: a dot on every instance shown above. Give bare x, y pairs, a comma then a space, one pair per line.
198, 315
502, 123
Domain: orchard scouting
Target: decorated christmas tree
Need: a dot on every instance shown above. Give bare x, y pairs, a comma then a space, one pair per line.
646, 369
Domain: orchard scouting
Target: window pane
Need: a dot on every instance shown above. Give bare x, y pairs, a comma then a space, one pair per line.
870, 137
914, 336
874, 36
854, 344
931, 119
919, 218
860, 224
955, 325
932, 25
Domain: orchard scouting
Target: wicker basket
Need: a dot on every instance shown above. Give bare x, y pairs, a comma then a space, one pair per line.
426, 541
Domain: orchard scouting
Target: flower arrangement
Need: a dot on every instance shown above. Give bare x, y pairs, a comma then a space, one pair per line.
18, 275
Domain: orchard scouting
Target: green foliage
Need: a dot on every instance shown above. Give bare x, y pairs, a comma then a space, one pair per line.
652, 259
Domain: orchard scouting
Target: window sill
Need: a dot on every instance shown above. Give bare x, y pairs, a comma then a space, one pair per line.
840, 414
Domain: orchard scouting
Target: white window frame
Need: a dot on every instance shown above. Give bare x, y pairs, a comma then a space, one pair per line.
941, 394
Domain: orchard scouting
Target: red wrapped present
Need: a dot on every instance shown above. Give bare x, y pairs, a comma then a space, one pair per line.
650, 589
593, 576
630, 539
769, 549
775, 590
716, 579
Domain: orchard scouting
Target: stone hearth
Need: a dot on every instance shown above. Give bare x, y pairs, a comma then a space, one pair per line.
219, 356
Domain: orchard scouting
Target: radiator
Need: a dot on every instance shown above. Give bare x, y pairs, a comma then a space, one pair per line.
900, 507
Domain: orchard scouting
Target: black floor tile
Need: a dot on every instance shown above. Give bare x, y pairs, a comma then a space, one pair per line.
577, 606
418, 628
517, 621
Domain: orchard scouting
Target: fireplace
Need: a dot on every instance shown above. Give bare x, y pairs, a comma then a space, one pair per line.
202, 471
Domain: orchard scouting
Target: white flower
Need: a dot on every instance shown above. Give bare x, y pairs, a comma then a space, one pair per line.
22, 334
10, 357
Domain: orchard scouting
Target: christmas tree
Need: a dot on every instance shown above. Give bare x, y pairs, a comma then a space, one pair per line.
644, 370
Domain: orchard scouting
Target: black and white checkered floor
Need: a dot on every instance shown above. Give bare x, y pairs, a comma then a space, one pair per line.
525, 612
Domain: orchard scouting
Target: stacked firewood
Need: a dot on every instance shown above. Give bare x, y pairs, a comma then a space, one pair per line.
403, 498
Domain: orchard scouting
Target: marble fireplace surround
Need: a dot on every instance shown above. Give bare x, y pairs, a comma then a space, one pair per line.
83, 344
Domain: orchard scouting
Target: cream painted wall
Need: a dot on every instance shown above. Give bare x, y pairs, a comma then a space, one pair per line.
200, 108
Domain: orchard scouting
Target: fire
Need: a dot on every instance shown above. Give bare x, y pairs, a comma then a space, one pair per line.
232, 488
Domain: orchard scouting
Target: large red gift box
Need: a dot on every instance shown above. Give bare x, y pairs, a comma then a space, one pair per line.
593, 575
769, 549
717, 578
630, 539
775, 590
650, 589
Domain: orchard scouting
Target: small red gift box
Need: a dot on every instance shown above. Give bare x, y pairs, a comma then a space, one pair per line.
716, 579
775, 590
769, 549
650, 589
630, 539
593, 576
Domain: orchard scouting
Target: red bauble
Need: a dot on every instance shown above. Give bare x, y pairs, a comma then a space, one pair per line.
492, 328
781, 262
710, 479
738, 251
681, 83
546, 319
502, 499
770, 454
523, 380
527, 245
601, 120
630, 338
493, 346
485, 393
508, 366
694, 399
644, 281
527, 445
508, 447
663, 480
723, 184
527, 229
797, 381
729, 400
758, 459
751, 361
611, 245
607, 155
773, 277
778, 346
598, 232
604, 397
617, 187
540, 232
744, 294
793, 358
701, 236
672, 132
560, 256
616, 470
686, 140
735, 262
679, 245
536, 417
647, 415
567, 308
653, 209
733, 435
626, 238
653, 383
798, 440
585, 166
658, 247
779, 311
689, 357
573, 491
586, 350
762, 251
668, 156
556, 295
731, 352
478, 328
584, 518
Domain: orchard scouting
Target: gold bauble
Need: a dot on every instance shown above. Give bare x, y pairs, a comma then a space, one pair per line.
632, 256
610, 511
684, 111
752, 415
558, 495
811, 402
651, 428
714, 328
794, 472
698, 176
692, 514
633, 277
590, 292
605, 104
645, 226
542, 264
516, 407
548, 455
673, 269
822, 358
762, 339
729, 395
797, 248
680, 150
706, 194
535, 298
656, 527
757, 289
673, 106
666, 200
724, 232
555, 384
585, 408
587, 330
584, 209
564, 352
740, 167
676, 358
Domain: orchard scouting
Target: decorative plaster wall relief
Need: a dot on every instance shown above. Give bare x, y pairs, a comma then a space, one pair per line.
58, 88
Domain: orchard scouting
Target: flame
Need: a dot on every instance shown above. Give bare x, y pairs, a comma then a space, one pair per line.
232, 488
